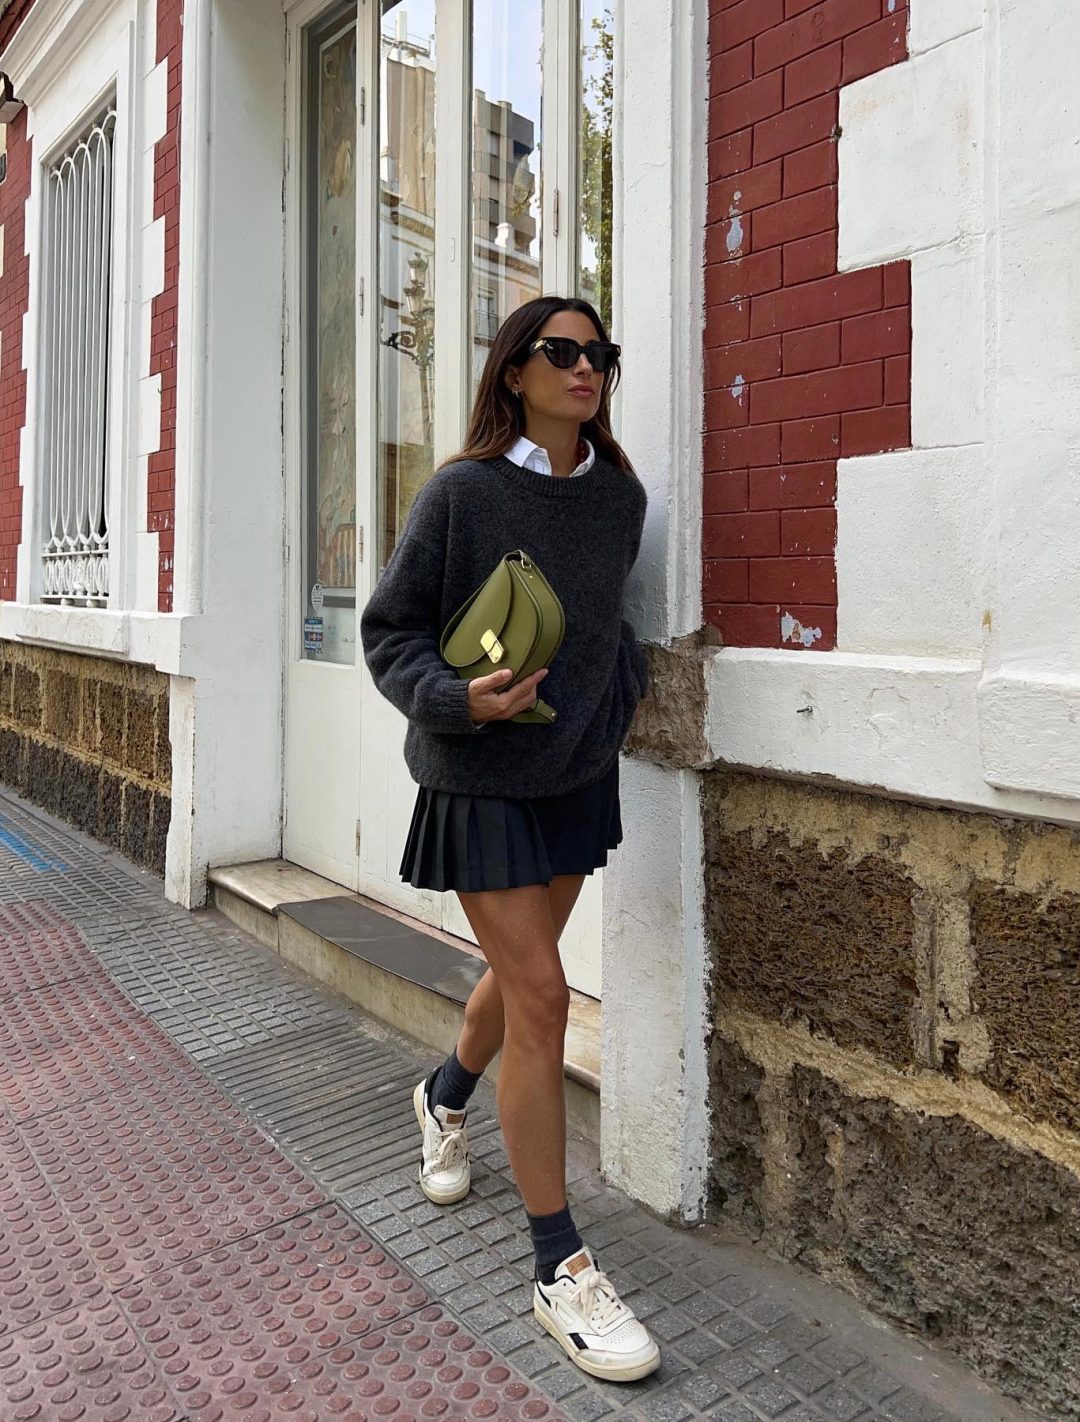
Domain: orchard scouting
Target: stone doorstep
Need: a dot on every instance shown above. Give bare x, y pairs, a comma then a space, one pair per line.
415, 977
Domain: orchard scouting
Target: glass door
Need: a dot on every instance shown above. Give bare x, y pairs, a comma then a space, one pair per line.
437, 141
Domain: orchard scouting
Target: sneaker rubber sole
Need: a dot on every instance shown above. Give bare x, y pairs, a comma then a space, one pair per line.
634, 1366
436, 1196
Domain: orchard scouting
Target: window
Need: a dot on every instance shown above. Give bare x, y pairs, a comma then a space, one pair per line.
329, 564
506, 102
77, 269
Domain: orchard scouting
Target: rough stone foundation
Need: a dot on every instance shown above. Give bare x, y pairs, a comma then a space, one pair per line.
896, 1062
88, 740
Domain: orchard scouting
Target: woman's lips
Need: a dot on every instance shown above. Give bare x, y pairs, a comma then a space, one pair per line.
582, 390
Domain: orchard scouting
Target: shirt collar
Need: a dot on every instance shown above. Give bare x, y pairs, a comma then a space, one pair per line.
528, 455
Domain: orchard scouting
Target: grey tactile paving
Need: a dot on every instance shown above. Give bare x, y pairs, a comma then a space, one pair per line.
332, 1090
332, 1097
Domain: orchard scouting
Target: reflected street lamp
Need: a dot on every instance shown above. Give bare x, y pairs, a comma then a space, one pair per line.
417, 339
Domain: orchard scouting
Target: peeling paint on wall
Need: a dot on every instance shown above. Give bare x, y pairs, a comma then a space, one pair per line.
734, 238
792, 630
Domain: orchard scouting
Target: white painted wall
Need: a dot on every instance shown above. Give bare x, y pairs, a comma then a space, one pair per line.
654, 1133
230, 493
957, 678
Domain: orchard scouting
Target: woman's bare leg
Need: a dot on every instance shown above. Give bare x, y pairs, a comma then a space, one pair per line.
482, 1033
515, 929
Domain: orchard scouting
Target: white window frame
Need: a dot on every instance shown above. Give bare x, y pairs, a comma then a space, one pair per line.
67, 61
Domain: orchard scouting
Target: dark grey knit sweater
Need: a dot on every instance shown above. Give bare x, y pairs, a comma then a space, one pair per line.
584, 533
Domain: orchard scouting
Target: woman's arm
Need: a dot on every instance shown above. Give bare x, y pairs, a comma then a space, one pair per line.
398, 630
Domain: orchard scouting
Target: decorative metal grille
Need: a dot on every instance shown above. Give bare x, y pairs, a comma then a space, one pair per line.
78, 265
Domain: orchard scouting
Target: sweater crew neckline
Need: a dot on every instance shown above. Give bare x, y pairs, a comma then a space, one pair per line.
550, 486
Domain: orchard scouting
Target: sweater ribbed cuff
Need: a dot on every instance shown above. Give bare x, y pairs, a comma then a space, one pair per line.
455, 711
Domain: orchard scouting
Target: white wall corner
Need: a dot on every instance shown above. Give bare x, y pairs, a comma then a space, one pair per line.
913, 551
654, 1132
660, 225
911, 155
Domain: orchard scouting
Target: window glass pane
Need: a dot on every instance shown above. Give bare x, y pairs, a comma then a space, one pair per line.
594, 204
329, 351
406, 261
507, 46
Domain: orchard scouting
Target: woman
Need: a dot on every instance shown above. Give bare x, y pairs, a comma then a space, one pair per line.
512, 816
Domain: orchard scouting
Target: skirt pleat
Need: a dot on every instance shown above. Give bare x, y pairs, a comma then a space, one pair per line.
475, 842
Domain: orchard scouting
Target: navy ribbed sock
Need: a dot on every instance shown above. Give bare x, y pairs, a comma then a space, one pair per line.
554, 1238
451, 1086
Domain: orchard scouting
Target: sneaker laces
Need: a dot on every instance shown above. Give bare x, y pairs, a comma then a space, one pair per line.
598, 1301
450, 1151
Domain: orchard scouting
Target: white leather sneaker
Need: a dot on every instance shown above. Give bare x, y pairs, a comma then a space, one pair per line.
582, 1311
445, 1173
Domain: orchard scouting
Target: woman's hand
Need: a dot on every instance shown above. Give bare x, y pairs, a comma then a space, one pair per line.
489, 702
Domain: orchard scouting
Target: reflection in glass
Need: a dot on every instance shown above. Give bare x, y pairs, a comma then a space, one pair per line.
329, 476
507, 41
406, 296
595, 198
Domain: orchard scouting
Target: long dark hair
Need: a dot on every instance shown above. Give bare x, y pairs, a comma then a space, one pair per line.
498, 420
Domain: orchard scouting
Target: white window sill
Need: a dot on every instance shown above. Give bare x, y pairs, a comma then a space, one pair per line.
151, 638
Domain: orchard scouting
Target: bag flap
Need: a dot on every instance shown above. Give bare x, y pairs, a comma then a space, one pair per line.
489, 607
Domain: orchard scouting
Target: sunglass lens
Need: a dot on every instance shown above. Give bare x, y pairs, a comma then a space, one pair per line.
602, 355
562, 352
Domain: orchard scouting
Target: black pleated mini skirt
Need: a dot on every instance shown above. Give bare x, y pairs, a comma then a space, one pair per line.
476, 842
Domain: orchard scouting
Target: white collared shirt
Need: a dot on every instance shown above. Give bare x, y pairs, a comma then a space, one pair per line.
528, 455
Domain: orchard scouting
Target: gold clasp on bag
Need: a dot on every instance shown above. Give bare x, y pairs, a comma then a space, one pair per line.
491, 645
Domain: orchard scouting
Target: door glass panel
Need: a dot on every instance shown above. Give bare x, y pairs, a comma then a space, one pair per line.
406, 261
507, 37
329, 341
594, 154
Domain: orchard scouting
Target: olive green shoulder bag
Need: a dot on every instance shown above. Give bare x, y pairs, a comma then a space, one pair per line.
515, 619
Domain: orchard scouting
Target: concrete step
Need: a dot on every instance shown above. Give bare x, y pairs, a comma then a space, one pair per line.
414, 977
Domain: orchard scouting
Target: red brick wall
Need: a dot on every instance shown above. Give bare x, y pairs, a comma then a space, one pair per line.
802, 364
13, 18
161, 489
14, 299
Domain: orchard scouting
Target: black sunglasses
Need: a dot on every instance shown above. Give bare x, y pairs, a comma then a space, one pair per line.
564, 353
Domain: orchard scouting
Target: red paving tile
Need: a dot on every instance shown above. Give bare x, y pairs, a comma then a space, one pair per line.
63, 1043
150, 1179
44, 1267
38, 947
85, 1365
311, 1320
161, 1259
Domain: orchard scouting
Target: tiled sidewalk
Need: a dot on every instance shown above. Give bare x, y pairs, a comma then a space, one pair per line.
208, 1209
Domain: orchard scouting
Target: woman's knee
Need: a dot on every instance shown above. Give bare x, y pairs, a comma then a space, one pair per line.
541, 1011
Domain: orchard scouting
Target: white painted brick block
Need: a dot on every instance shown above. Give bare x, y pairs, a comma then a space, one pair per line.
149, 414
935, 22
948, 345
912, 552
911, 155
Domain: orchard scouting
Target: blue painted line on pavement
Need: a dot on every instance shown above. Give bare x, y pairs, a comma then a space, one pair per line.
31, 853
